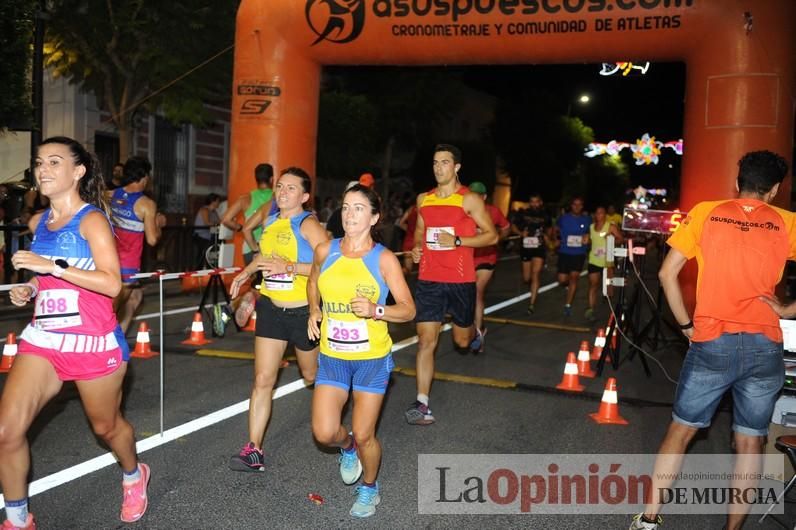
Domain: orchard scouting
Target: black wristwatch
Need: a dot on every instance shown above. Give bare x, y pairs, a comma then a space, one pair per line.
60, 267
457, 241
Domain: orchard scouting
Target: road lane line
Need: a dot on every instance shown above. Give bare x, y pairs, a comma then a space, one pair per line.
95, 464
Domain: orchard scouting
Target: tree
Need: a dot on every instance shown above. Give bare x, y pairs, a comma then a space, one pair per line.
543, 152
129, 52
16, 37
348, 124
410, 105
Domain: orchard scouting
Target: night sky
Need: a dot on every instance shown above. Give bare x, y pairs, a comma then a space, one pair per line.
621, 108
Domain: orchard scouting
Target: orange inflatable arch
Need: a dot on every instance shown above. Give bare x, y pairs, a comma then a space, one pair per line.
739, 66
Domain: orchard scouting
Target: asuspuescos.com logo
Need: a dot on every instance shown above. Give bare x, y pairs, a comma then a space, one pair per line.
337, 21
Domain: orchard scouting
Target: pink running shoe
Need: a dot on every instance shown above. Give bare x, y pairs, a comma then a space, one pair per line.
135, 501
245, 309
30, 524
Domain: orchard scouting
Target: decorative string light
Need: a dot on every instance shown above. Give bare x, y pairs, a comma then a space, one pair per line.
646, 149
625, 68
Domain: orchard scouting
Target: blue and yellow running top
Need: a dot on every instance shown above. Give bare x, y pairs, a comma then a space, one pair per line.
343, 334
282, 237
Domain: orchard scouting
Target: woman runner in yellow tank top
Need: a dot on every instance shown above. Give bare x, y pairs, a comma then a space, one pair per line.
285, 259
599, 231
347, 290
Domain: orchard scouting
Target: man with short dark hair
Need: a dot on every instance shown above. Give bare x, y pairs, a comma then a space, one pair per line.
741, 246
452, 222
135, 217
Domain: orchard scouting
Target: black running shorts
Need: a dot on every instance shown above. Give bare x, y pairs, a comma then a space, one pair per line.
288, 324
434, 300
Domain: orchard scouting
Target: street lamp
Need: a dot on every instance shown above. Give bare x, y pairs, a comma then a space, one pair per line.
583, 99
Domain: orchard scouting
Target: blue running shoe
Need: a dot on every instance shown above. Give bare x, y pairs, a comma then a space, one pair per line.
567, 310
367, 500
350, 466
477, 345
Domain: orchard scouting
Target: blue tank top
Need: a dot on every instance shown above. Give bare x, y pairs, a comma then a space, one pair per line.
83, 311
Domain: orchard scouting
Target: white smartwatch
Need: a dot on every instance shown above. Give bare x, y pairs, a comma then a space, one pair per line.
379, 313
59, 267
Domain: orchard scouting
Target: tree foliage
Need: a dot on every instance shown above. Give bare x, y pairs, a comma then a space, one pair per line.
348, 124
406, 108
130, 52
543, 151
16, 39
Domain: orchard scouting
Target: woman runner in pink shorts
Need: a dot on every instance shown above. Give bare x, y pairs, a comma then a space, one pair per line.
74, 335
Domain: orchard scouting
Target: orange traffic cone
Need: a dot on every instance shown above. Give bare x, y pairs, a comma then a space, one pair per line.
570, 380
251, 325
197, 337
599, 344
9, 352
584, 366
609, 408
142, 348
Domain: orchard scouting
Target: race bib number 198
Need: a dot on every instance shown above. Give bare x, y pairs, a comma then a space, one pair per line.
57, 309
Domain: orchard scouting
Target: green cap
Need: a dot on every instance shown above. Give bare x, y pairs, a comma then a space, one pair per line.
478, 187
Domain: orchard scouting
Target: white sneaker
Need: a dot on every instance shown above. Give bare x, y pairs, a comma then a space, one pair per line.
639, 524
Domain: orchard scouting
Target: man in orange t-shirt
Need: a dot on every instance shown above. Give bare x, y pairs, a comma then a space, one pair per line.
741, 247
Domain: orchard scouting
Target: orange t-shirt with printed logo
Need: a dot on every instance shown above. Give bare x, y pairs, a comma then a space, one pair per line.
741, 247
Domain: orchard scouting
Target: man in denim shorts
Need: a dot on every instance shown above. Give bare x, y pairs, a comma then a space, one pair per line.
741, 246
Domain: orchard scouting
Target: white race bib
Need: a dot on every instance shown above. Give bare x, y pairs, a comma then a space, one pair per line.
57, 309
574, 241
279, 282
347, 336
599, 252
530, 242
432, 237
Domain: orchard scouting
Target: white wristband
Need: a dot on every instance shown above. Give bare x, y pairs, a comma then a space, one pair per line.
34, 290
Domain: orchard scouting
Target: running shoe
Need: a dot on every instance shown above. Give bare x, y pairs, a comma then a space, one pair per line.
567, 310
249, 459
589, 314
367, 499
135, 500
350, 466
222, 314
477, 345
531, 309
30, 524
639, 524
245, 309
419, 414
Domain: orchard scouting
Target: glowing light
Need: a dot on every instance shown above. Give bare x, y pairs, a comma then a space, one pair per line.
646, 150
584, 98
625, 68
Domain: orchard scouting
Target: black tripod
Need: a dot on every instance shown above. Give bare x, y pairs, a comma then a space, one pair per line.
621, 324
653, 329
214, 285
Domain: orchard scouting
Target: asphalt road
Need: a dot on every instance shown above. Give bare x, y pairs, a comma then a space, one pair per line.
508, 407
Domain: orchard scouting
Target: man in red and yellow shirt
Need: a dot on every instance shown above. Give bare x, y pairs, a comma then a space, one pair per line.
741, 247
452, 221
